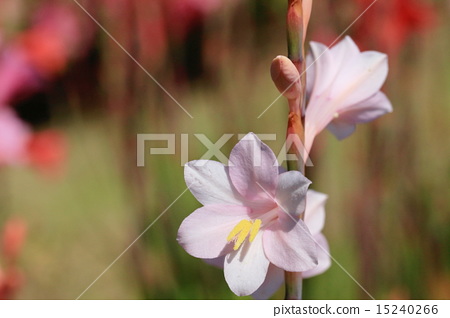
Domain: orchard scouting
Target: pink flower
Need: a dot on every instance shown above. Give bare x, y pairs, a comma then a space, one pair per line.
14, 138
314, 220
250, 218
17, 76
343, 88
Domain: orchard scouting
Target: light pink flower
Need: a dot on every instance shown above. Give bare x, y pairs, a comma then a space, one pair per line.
250, 218
314, 220
14, 138
343, 88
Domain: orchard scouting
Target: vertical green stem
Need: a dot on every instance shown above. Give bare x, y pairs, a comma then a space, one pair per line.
295, 29
296, 49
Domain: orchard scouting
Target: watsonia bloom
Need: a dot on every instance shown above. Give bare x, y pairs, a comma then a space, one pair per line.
343, 89
250, 217
315, 221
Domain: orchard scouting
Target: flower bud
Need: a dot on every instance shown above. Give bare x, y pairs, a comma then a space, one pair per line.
286, 77
307, 8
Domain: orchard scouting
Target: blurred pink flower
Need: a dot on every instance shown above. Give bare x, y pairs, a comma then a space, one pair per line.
62, 22
250, 218
16, 76
40, 52
55, 37
343, 88
314, 220
14, 138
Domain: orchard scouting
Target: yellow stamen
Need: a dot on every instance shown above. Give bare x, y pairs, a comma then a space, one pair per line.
242, 230
242, 235
238, 228
255, 229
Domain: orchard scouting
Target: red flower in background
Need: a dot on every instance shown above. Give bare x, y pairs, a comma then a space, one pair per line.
34, 57
47, 152
13, 237
388, 25
56, 37
41, 52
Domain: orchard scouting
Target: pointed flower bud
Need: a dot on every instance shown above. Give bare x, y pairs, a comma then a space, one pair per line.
307, 8
286, 77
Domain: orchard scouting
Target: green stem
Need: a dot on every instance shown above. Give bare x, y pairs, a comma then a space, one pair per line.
294, 283
296, 48
295, 29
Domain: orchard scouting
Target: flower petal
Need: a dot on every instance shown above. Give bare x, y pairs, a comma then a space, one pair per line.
288, 244
210, 183
315, 211
342, 80
323, 256
361, 79
203, 233
320, 69
365, 111
274, 279
341, 129
291, 192
253, 168
245, 269
324, 64
216, 262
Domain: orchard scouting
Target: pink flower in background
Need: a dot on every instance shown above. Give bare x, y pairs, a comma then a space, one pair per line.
343, 88
46, 150
40, 52
14, 138
250, 218
55, 37
17, 76
315, 221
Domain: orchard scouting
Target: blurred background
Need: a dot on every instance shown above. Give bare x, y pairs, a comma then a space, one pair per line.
72, 101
